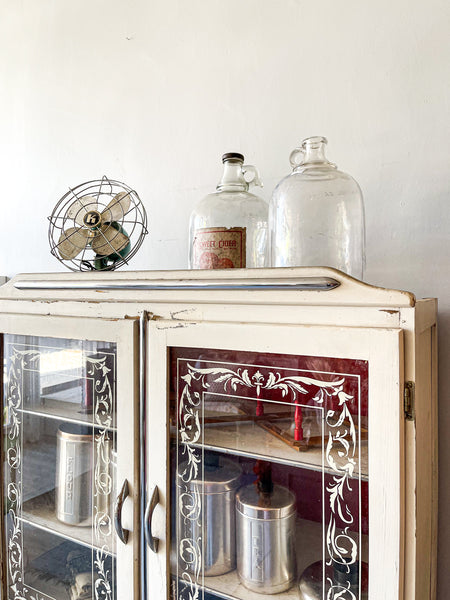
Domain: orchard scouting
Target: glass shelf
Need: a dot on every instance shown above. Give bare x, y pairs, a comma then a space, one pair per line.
63, 411
250, 440
40, 512
50, 563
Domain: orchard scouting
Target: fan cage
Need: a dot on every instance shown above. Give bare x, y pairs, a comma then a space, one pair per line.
134, 222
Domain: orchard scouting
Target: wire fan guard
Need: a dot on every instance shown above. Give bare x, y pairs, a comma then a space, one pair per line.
97, 226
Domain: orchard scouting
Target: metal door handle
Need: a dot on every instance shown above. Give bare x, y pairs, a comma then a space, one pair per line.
122, 533
152, 542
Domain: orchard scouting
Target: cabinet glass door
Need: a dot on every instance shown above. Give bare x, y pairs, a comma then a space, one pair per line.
59, 438
273, 491
269, 464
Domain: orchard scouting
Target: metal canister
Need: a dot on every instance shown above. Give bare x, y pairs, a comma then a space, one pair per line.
74, 471
265, 538
316, 581
216, 525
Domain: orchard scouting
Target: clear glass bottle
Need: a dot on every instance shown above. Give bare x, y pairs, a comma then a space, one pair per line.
229, 228
316, 215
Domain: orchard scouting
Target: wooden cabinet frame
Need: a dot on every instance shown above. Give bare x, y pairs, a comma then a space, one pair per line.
125, 335
176, 308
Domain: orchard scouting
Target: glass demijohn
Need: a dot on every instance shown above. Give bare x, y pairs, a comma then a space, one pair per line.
316, 215
228, 228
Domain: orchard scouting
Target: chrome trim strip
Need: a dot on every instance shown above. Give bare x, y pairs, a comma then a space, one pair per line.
300, 283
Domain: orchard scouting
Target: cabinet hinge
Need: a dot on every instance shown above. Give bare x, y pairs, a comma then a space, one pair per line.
409, 400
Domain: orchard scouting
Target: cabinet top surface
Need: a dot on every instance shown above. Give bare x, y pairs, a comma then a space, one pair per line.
292, 286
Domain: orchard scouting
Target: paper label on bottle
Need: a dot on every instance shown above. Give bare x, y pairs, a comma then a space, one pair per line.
219, 248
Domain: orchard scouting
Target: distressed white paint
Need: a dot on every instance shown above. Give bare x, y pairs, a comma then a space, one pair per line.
350, 324
153, 92
123, 335
381, 347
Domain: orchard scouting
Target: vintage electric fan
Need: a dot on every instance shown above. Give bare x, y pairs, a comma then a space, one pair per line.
98, 225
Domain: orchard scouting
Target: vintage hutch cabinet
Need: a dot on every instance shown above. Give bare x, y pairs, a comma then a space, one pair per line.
217, 435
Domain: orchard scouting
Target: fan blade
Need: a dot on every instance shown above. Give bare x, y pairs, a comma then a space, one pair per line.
72, 242
117, 208
81, 207
109, 240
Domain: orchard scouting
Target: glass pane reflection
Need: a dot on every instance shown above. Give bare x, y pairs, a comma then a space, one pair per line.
269, 472
59, 472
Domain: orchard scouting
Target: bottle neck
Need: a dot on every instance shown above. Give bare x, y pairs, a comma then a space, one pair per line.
313, 154
233, 178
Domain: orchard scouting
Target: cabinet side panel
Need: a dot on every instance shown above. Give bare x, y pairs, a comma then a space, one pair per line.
435, 462
426, 468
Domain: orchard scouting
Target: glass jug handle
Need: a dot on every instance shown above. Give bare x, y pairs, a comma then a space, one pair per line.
293, 155
255, 180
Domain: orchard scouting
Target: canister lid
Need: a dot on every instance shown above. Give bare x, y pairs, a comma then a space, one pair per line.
215, 478
85, 433
75, 432
256, 505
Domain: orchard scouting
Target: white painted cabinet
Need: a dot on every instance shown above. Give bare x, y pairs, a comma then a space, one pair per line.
266, 431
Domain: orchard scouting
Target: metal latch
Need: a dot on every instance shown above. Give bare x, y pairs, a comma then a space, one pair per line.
409, 400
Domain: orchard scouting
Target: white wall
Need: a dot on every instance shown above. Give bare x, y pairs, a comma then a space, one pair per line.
152, 92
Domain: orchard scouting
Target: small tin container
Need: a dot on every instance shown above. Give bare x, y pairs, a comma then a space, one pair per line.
265, 539
74, 467
216, 526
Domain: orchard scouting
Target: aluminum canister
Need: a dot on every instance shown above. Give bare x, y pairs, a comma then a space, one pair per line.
265, 538
216, 526
316, 581
74, 470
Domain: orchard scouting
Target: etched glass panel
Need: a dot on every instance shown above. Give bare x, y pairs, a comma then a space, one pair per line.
269, 476
59, 432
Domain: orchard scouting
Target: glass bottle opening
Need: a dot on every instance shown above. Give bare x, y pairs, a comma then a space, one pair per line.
314, 142
233, 157
312, 153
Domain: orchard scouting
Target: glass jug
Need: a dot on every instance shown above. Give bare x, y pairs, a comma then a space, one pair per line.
316, 215
228, 228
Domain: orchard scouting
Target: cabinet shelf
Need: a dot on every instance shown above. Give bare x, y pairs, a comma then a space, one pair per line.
40, 512
60, 410
250, 440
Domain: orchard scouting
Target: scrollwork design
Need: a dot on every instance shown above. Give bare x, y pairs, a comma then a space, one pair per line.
18, 361
258, 381
339, 592
103, 374
189, 499
190, 553
102, 586
340, 455
32, 595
